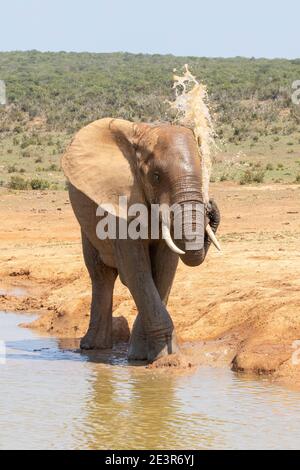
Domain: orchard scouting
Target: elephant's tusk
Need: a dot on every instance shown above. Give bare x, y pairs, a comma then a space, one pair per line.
168, 239
212, 236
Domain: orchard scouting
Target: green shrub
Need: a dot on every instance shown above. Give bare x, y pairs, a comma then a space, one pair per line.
12, 169
269, 167
258, 176
38, 183
224, 177
246, 177
297, 178
53, 167
17, 182
250, 176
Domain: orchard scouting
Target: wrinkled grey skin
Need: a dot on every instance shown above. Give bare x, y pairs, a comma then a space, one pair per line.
146, 267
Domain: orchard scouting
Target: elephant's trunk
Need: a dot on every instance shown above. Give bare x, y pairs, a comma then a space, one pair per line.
192, 218
191, 239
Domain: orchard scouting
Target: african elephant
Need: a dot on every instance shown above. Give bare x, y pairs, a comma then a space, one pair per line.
149, 164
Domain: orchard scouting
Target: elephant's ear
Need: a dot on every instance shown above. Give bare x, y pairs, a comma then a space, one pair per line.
101, 160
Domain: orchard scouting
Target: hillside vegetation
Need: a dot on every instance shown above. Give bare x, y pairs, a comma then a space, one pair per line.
51, 95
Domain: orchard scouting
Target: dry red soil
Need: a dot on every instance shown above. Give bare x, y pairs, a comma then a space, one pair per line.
240, 309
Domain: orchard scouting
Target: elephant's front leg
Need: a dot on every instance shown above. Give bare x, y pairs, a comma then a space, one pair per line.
99, 334
154, 327
163, 264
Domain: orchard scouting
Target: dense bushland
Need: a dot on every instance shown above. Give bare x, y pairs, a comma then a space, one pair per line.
70, 89
51, 95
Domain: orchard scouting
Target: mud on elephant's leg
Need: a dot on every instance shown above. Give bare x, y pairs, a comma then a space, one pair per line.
99, 334
153, 329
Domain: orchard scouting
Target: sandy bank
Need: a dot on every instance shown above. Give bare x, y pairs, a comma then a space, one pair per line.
241, 309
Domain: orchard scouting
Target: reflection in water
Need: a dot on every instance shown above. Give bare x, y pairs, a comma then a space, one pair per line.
134, 409
54, 398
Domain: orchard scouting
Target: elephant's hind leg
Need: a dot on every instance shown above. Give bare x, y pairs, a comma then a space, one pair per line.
99, 334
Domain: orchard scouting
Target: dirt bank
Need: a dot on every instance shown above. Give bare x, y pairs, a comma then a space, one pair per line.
242, 307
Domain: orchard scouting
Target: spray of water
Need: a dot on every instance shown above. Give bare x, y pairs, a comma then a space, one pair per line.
192, 110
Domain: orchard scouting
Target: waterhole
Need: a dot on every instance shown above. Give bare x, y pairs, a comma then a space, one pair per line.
52, 397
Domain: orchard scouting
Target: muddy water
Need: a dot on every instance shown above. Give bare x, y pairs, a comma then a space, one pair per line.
54, 398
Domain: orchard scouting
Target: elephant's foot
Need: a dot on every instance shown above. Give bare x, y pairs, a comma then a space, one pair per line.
159, 341
138, 348
162, 346
150, 349
94, 340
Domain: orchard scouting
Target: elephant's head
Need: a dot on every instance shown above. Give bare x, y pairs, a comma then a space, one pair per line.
164, 164
170, 170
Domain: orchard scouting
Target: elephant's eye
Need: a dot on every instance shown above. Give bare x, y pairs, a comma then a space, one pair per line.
156, 177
